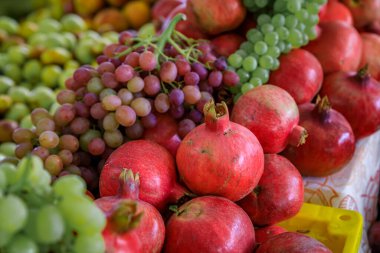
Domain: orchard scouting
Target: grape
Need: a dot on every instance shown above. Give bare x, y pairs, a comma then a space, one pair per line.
48, 139
261, 48
89, 244
147, 61
106, 92
235, 60
113, 139
135, 131
73, 23
215, 78
274, 52
302, 15
22, 135
66, 96
183, 67
294, 5
255, 81
247, 46
90, 98
97, 111
109, 80
50, 225
312, 8
109, 67
243, 75
261, 73
13, 214
69, 185
168, 72
196, 116
41, 152
246, 87
141, 106
23, 149
136, 84
124, 73
85, 138
64, 114
177, 112
39, 113
96, 146
69, 142
22, 244
151, 85
132, 59
53, 164
312, 20
7, 148
267, 28
261, 3
220, 64
230, 78
66, 157
200, 70
125, 37
185, 126
149, 121
162, 103
249, 63
109, 122
291, 21
192, 94
111, 102
311, 32
82, 76
266, 61
278, 20
4, 238
295, 37
95, 85
241, 52
271, 38
176, 97
45, 124
19, 94
263, 19
191, 78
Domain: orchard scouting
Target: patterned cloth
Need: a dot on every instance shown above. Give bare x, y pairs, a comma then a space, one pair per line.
355, 187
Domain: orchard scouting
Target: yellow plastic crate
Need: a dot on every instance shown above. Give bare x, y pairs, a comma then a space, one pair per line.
340, 230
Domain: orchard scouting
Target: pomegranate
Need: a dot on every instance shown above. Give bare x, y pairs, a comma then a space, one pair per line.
371, 54
272, 115
338, 47
357, 97
300, 74
164, 133
336, 11
374, 236
156, 169
220, 157
292, 242
364, 11
129, 215
265, 233
209, 224
227, 44
331, 142
278, 195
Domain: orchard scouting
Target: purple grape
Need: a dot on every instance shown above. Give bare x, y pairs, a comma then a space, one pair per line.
109, 80
185, 126
200, 70
101, 58
176, 97
204, 86
135, 131
177, 112
82, 75
191, 78
220, 64
196, 116
183, 66
106, 67
90, 98
215, 78
149, 121
152, 85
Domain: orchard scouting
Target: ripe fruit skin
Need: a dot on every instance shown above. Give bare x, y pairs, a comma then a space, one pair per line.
155, 166
207, 224
300, 74
364, 12
363, 93
292, 242
278, 195
371, 54
220, 157
263, 234
330, 144
272, 115
338, 47
336, 11
227, 44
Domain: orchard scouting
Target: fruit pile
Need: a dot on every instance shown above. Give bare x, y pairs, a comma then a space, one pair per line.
210, 122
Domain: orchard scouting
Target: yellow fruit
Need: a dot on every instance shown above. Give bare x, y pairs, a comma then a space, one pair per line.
87, 7
137, 13
110, 20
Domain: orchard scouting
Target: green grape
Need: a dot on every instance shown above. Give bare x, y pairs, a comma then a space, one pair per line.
255, 81
32, 71
295, 37
261, 3
263, 19
13, 214
266, 28
8, 24
8, 148
321, 2
246, 87
19, 94
4, 238
73, 23
13, 71
3, 60
36, 175
70, 40
106, 92
89, 244
291, 21
54, 40
312, 20
10, 171
70, 184
266, 61
301, 27
235, 60
281, 46
30, 226
278, 20
49, 26
17, 54
249, 63
254, 35
261, 47
287, 48
147, 31
5, 84
22, 244
283, 33
279, 6
86, 138
3, 180
17, 112
311, 32
42, 97
312, 8
271, 38
302, 15
244, 75
276, 64
50, 75
249, 3
274, 52
294, 5
246, 46
261, 73
71, 65
26, 122
50, 225
83, 52
95, 85
85, 218
241, 52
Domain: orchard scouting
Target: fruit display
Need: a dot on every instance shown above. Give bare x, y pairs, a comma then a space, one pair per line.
191, 133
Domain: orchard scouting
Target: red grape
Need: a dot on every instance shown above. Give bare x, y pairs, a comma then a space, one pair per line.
147, 61
168, 72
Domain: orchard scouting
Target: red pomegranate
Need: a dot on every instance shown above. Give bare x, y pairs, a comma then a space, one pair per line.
338, 47
336, 11
220, 157
272, 115
364, 11
144, 228
227, 44
357, 96
278, 195
263, 234
330, 144
156, 169
300, 74
371, 54
291, 242
209, 224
